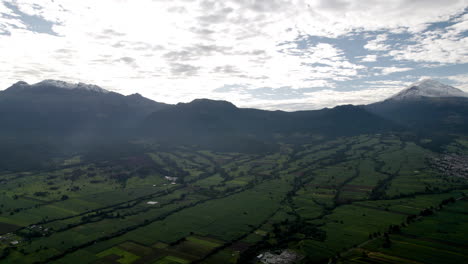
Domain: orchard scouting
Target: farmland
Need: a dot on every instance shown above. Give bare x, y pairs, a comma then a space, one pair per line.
363, 199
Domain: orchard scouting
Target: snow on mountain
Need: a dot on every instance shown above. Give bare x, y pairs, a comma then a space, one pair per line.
59, 84
428, 88
67, 85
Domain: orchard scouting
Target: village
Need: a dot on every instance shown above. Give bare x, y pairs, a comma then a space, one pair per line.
279, 257
9, 239
452, 165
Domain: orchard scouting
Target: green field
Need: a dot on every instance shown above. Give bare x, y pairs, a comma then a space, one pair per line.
333, 199
438, 238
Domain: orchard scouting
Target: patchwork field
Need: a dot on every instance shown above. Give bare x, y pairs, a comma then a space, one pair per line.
437, 238
340, 200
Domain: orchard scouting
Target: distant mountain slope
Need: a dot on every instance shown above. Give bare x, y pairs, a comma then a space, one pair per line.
428, 88
427, 107
58, 108
80, 114
206, 121
58, 84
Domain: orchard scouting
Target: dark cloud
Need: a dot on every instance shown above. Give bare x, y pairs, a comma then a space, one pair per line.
195, 52
427, 3
128, 60
137, 45
215, 12
112, 32
226, 10
179, 55
101, 61
207, 4
184, 69
212, 18
264, 5
257, 52
206, 50
259, 77
31, 72
227, 69
157, 47
34, 70
119, 44
177, 9
202, 31
334, 4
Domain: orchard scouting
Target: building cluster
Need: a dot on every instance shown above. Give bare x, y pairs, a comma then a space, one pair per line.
283, 257
172, 179
452, 165
9, 239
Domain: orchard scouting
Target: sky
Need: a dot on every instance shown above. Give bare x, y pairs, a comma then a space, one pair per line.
268, 54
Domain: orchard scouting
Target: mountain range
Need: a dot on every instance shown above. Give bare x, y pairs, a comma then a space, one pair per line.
426, 107
74, 117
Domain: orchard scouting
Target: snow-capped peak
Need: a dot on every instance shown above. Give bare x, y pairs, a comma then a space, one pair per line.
428, 88
67, 85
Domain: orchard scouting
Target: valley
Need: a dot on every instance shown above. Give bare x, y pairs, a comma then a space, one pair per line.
233, 132
332, 199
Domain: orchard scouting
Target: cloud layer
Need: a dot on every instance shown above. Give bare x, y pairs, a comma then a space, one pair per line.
272, 54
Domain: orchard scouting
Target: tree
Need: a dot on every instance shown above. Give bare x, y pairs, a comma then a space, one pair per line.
387, 242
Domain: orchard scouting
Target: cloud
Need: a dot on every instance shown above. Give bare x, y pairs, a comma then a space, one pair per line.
184, 69
378, 44
183, 49
441, 45
195, 52
127, 60
369, 58
325, 98
390, 70
18, 19
226, 69
112, 32
460, 81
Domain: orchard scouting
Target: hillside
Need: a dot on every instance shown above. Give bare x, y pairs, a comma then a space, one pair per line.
92, 176
427, 107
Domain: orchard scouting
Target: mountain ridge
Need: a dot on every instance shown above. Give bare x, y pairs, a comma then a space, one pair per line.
417, 90
80, 120
428, 88
50, 83
427, 107
58, 105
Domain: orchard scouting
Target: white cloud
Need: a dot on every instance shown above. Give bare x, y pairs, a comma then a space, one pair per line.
390, 70
180, 50
447, 45
327, 98
461, 81
369, 58
378, 44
